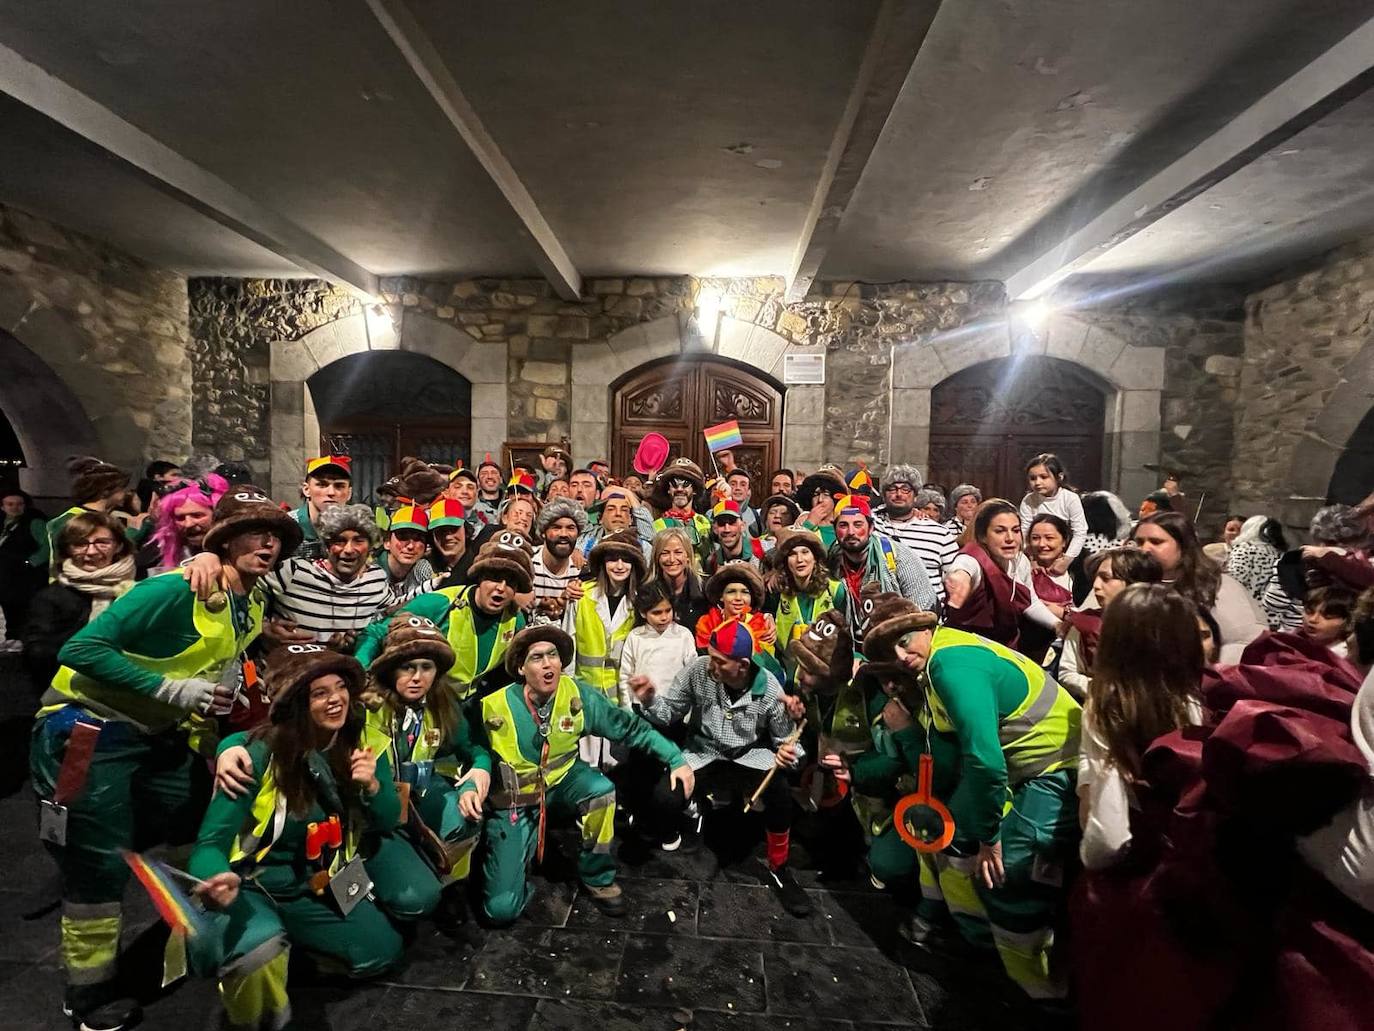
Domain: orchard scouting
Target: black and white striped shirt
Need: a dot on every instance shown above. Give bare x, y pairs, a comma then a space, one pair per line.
933, 543
307, 592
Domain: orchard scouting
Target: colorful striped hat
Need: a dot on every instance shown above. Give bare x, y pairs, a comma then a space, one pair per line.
727, 509
445, 512
409, 517
342, 464
733, 639
520, 482
849, 504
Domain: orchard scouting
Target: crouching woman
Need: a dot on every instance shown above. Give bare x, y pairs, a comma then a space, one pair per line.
289, 861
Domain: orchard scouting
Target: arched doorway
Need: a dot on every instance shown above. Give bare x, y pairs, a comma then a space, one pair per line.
990, 419
380, 406
1353, 478
680, 397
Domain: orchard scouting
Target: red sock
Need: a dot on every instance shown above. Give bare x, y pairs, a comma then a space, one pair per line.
778, 847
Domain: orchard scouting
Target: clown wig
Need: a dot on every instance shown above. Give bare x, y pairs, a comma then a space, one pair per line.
207, 490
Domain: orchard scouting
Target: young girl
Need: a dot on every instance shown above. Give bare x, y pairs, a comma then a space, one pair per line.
659, 646
1046, 477
1326, 615
1112, 571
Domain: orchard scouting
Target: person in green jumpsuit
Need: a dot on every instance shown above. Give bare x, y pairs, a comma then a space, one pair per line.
274, 876
479, 621
1014, 805
532, 728
111, 758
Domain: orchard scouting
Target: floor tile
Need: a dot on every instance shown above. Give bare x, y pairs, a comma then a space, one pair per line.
408, 1009
551, 964
652, 907
574, 1015
551, 904
659, 970
434, 961
753, 911
853, 984
708, 1020
863, 919
25, 941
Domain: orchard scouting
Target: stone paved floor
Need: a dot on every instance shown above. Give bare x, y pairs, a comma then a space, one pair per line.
728, 957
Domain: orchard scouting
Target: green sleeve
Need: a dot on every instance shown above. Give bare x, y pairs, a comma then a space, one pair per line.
970, 698
433, 607
156, 617
226, 816
610, 721
384, 808
139, 534
468, 750
39, 528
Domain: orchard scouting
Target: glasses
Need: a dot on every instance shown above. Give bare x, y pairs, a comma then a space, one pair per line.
98, 544
898, 488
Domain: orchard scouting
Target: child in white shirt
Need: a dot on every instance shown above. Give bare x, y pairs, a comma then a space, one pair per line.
659, 646
1045, 475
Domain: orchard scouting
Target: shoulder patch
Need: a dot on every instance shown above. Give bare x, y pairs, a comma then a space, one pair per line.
495, 723
575, 706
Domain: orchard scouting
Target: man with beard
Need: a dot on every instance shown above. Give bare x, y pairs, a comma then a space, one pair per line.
582, 483
675, 491
865, 557
783, 482
328, 482
131, 678
479, 619
560, 523
734, 543
929, 540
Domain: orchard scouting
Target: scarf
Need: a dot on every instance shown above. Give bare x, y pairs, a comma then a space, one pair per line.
102, 585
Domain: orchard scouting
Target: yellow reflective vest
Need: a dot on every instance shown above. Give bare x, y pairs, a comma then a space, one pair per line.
521, 780
462, 638
595, 666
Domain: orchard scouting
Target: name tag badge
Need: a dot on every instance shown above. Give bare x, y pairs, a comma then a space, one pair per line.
52, 822
1047, 871
350, 885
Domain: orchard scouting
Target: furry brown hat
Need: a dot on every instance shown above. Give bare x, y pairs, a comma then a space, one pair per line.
826, 649
522, 642
94, 480
409, 636
624, 543
246, 507
295, 666
891, 617
505, 556
736, 573
790, 540
420, 481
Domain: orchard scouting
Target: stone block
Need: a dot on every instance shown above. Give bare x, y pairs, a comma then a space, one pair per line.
640, 287
488, 400
1138, 410
546, 409
590, 440
804, 406
488, 435
1222, 365
969, 345
608, 286
544, 372
1074, 340
910, 407
573, 327
910, 444
624, 307
917, 365
1138, 368
590, 403
541, 325
793, 326
595, 364
288, 398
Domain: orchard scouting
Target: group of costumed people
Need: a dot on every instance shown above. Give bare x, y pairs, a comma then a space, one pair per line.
340, 709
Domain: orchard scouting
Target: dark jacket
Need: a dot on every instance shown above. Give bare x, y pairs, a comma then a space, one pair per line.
55, 614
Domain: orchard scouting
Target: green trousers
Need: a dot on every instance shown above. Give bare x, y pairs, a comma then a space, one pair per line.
438, 808
141, 790
247, 944
1018, 917
512, 837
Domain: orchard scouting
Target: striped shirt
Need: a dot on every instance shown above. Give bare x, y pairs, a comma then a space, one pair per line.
548, 586
933, 543
745, 730
308, 593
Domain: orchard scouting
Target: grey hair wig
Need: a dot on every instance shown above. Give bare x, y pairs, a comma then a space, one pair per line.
335, 519
930, 496
561, 508
904, 472
1337, 524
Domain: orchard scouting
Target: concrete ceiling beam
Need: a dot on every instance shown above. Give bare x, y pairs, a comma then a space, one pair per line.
1338, 75
429, 67
899, 30
171, 174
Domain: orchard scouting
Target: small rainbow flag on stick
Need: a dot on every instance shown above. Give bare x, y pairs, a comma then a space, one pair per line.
170, 901
723, 436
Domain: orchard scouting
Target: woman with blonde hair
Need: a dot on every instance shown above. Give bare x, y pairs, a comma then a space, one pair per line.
673, 561
1146, 683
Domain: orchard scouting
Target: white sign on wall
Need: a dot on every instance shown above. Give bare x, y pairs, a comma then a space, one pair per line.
803, 368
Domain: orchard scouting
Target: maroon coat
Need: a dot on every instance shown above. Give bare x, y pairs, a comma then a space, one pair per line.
993, 608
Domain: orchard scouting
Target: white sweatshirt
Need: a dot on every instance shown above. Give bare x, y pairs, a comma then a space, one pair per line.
1066, 505
656, 656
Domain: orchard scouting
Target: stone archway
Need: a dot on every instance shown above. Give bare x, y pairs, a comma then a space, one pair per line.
1134, 377
294, 425
596, 366
48, 420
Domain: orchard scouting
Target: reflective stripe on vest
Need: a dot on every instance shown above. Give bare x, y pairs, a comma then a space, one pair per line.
793, 621
1041, 735
218, 645
520, 776
462, 638
595, 667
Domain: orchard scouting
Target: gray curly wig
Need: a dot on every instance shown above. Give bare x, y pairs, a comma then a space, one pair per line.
1337, 524
335, 519
903, 472
561, 508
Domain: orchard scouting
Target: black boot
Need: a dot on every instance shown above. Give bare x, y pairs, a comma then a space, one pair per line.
98, 1007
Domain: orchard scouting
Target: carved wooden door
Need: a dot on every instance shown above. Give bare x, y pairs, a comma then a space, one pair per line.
988, 421
680, 398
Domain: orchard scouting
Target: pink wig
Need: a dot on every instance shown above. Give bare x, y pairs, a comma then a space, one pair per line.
168, 539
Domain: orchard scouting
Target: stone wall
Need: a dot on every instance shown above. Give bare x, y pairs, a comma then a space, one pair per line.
1200, 331
97, 352
1306, 381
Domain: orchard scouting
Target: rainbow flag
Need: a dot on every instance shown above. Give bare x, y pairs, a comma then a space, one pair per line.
725, 435
170, 901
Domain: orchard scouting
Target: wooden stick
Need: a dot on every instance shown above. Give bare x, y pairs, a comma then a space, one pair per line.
791, 739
